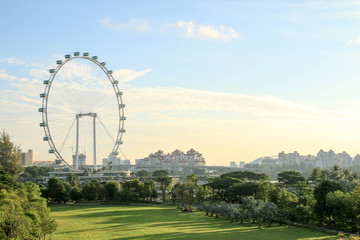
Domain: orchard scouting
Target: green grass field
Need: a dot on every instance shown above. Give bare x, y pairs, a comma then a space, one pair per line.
159, 222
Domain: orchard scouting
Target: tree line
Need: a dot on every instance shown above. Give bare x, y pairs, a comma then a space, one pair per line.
329, 198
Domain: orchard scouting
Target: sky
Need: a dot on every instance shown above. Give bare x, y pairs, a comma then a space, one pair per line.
235, 80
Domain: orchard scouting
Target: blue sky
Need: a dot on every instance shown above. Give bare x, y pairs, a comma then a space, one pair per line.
235, 80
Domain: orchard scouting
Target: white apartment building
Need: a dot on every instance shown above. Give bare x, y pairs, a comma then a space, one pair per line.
176, 159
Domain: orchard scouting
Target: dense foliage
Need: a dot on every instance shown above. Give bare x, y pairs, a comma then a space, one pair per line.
329, 198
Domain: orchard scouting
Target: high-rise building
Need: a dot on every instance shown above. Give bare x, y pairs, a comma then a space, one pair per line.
27, 158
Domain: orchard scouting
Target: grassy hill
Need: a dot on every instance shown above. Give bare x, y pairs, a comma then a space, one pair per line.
159, 222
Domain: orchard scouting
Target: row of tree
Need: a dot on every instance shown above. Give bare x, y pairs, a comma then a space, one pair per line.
328, 197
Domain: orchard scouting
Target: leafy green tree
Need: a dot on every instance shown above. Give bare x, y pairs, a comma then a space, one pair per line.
143, 173
221, 188
320, 192
73, 180
24, 214
290, 177
160, 173
249, 204
149, 190
335, 173
259, 212
315, 176
111, 190
165, 184
177, 193
246, 175
270, 211
337, 207
131, 190
10, 156
56, 190
75, 194
240, 190
203, 192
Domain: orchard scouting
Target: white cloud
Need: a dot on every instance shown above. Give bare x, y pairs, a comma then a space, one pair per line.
192, 30
127, 75
16, 61
132, 25
39, 73
353, 41
187, 29
5, 76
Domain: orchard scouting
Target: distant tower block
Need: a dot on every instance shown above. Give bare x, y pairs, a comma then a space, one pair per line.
27, 158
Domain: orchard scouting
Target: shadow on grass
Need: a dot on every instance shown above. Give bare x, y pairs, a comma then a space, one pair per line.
158, 222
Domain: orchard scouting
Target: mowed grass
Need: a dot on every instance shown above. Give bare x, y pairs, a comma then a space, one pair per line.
160, 222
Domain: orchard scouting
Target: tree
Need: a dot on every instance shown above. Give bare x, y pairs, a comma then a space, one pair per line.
270, 211
24, 214
160, 173
75, 194
56, 190
248, 204
131, 190
221, 188
335, 173
246, 175
320, 192
111, 190
164, 183
10, 156
149, 190
73, 179
259, 210
290, 177
177, 193
240, 190
315, 175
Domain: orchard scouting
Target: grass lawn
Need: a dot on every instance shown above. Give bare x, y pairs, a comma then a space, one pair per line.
159, 222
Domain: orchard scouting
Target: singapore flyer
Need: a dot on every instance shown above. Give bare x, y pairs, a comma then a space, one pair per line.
82, 112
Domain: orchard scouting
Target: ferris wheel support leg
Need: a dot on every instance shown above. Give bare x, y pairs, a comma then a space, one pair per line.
94, 120
77, 144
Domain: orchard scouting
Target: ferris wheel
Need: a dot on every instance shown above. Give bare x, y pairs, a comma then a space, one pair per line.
82, 112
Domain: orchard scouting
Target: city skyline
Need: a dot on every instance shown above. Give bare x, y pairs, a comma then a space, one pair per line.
235, 80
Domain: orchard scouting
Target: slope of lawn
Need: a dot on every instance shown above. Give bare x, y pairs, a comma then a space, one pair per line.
159, 222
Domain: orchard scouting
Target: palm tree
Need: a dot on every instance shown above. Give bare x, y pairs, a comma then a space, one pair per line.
248, 204
270, 210
259, 211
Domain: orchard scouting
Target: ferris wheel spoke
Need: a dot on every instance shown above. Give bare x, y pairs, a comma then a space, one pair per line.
67, 135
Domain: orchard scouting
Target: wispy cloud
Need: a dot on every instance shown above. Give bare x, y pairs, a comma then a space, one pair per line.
127, 75
187, 29
190, 29
132, 25
5, 76
353, 41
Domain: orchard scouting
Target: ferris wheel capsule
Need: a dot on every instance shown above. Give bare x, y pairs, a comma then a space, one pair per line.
67, 56
85, 54
59, 62
76, 54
